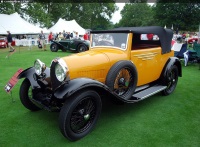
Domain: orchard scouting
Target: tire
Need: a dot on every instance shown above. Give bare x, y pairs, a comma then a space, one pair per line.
86, 107
54, 47
81, 48
25, 96
122, 79
170, 80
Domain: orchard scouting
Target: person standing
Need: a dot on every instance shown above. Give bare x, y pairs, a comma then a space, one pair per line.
64, 34
50, 38
42, 40
85, 36
9, 39
60, 36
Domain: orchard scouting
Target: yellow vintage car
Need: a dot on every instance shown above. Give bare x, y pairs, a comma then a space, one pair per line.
125, 65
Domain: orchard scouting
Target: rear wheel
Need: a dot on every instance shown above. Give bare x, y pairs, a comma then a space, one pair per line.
79, 114
81, 48
26, 96
170, 80
54, 47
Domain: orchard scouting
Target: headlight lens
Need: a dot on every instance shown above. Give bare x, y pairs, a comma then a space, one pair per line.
61, 70
39, 67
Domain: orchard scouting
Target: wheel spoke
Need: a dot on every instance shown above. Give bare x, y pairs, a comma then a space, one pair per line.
83, 115
122, 81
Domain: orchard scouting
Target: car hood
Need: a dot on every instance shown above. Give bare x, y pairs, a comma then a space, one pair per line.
93, 64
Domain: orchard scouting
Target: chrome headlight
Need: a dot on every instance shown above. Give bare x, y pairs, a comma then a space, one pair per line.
39, 67
61, 70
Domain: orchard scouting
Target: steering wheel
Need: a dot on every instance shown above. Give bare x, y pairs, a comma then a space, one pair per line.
106, 43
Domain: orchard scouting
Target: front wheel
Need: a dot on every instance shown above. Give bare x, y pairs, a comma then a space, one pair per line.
54, 47
26, 96
170, 80
79, 114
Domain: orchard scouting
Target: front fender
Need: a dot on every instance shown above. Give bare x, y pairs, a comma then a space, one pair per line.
29, 74
172, 61
78, 84
60, 46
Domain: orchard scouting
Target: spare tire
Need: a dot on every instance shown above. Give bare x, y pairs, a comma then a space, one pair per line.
122, 79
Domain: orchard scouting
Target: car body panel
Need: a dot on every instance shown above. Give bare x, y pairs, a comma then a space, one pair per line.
149, 64
80, 65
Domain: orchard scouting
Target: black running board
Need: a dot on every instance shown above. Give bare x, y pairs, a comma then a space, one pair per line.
138, 96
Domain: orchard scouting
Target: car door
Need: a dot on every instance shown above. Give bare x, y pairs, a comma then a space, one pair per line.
147, 59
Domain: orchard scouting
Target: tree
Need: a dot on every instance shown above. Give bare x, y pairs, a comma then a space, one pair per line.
93, 15
136, 14
184, 16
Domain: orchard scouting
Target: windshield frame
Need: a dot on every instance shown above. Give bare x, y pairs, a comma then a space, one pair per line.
107, 46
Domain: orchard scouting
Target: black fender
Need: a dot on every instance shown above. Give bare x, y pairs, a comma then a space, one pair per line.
76, 85
172, 61
30, 74
60, 46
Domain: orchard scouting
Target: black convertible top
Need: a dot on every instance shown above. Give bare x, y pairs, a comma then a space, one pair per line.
165, 35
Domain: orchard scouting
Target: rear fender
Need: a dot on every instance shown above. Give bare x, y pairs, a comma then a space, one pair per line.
172, 61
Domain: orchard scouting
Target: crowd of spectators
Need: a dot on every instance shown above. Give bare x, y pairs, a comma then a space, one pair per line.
67, 35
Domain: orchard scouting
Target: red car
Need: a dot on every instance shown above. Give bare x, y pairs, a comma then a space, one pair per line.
3, 42
192, 40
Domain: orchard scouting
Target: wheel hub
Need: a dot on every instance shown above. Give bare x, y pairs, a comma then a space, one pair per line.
87, 116
122, 81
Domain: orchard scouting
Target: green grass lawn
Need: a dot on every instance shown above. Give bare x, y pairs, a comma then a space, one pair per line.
158, 121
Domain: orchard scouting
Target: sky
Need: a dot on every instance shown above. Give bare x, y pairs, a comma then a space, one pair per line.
117, 16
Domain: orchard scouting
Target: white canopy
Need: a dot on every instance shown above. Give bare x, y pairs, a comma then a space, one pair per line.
68, 26
17, 25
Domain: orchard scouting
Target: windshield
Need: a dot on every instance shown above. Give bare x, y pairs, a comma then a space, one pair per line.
118, 40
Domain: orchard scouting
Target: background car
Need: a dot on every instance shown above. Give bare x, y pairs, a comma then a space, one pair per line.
75, 45
3, 42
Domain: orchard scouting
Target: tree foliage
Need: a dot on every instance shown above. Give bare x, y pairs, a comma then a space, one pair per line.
92, 15
184, 16
88, 15
136, 14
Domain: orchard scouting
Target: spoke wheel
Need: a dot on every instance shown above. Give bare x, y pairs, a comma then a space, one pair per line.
122, 79
54, 47
122, 82
79, 115
81, 48
171, 80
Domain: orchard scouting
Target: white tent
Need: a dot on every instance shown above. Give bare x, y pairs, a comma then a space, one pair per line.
17, 25
68, 26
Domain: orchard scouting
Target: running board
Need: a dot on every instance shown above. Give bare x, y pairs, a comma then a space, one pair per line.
138, 96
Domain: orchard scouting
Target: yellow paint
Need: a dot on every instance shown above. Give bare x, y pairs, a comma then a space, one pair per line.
96, 62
